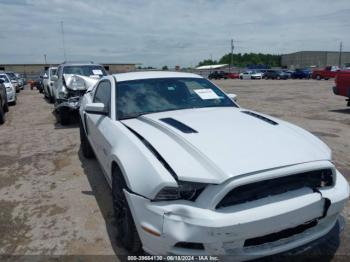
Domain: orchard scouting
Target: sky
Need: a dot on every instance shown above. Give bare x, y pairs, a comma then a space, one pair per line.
167, 32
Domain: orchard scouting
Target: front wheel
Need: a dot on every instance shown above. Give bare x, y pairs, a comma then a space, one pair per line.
64, 117
6, 107
85, 144
2, 115
127, 233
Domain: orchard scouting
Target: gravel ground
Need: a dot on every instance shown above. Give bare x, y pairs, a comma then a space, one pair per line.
54, 202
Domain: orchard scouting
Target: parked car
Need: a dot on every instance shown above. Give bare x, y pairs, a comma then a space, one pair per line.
300, 73
10, 89
192, 173
48, 83
20, 81
325, 73
275, 74
3, 102
71, 82
233, 75
39, 82
14, 81
251, 75
342, 84
218, 75
223, 75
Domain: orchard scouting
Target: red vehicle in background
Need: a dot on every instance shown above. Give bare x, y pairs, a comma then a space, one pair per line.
342, 84
233, 75
325, 73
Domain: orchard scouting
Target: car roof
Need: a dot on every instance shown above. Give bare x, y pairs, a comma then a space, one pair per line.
152, 74
80, 64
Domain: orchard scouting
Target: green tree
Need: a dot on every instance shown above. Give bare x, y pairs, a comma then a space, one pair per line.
165, 68
243, 60
207, 62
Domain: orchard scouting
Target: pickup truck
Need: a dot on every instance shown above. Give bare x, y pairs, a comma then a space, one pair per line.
325, 73
342, 84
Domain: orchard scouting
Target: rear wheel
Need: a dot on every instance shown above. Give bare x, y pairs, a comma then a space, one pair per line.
127, 233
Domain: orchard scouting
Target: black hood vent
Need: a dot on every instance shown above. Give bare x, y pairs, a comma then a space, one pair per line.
178, 125
260, 117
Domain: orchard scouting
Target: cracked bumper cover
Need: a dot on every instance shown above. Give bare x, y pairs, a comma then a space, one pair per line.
223, 232
71, 104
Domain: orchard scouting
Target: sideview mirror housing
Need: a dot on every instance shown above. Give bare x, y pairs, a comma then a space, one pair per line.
233, 97
96, 109
54, 78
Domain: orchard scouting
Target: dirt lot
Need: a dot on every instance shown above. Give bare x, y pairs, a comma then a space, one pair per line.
54, 202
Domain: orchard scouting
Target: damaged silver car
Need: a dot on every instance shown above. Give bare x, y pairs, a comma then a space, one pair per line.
71, 82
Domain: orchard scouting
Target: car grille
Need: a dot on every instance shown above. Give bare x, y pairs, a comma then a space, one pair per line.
75, 93
254, 191
286, 233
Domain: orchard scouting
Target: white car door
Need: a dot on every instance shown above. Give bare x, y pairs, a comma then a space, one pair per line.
97, 125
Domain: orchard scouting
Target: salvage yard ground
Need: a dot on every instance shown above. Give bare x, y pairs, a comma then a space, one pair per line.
55, 202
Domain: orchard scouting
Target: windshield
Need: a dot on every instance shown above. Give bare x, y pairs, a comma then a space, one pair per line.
12, 76
4, 78
53, 72
85, 70
138, 97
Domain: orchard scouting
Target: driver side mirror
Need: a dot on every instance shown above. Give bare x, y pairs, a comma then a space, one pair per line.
54, 78
233, 97
96, 109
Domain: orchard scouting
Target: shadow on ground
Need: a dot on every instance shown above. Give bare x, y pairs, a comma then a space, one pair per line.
343, 110
102, 192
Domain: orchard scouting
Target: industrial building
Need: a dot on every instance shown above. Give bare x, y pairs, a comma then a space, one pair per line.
34, 70
318, 59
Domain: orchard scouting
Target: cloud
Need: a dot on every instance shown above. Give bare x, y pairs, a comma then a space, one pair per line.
174, 32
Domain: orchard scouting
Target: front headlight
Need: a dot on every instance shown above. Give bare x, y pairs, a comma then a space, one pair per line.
186, 191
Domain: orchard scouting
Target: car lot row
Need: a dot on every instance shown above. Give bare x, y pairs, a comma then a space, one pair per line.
301, 73
11, 84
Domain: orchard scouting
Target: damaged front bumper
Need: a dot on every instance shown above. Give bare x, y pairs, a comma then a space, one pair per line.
260, 228
70, 104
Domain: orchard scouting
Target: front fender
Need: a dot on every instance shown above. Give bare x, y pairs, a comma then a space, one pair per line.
142, 171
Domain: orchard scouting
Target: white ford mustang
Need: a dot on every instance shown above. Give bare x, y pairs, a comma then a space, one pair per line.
193, 173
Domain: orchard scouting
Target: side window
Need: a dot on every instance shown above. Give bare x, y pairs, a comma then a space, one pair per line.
103, 94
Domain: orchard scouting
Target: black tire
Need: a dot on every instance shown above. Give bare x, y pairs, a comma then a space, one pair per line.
50, 97
64, 117
6, 107
85, 145
2, 115
127, 232
14, 103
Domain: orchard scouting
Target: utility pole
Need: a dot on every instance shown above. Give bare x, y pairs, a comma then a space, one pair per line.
231, 62
340, 53
45, 59
63, 43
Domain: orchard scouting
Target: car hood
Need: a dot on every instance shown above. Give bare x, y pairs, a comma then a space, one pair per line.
211, 145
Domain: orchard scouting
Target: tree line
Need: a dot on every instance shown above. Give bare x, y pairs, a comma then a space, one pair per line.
243, 60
